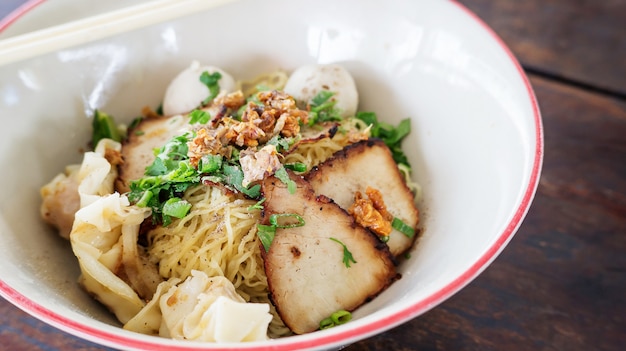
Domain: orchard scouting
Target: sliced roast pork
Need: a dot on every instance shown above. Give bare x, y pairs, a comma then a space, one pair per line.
368, 163
310, 275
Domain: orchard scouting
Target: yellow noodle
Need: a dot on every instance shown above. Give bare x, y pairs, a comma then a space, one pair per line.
217, 237
312, 154
274, 81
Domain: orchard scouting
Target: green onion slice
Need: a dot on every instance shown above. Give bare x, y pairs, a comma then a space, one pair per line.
337, 318
402, 227
176, 207
286, 223
296, 166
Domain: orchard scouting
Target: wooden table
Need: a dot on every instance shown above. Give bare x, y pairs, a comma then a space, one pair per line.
561, 282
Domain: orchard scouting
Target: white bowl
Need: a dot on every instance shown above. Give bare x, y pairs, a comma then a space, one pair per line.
476, 146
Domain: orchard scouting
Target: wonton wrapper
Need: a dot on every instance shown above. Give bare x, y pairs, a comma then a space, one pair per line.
104, 219
202, 309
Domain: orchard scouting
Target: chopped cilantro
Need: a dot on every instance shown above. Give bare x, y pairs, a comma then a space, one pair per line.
392, 136
168, 177
233, 176
199, 116
323, 108
282, 174
281, 143
212, 82
347, 255
209, 164
257, 206
266, 234
168, 157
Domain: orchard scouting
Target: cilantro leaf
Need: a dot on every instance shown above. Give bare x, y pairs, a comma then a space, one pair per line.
212, 82
209, 164
165, 180
257, 206
199, 116
233, 176
323, 108
286, 220
266, 234
282, 174
390, 135
281, 143
347, 255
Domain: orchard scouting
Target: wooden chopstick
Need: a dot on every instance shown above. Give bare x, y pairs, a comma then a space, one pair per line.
29, 45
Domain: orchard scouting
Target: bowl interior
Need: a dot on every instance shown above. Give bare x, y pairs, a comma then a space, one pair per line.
475, 143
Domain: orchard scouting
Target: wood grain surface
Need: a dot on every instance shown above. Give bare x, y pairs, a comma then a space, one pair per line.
581, 41
561, 282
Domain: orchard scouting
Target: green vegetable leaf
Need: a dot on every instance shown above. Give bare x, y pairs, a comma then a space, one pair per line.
368, 117
199, 116
257, 206
282, 174
390, 135
209, 164
277, 220
281, 144
212, 82
103, 127
322, 97
266, 234
168, 157
165, 180
157, 168
323, 108
233, 176
347, 255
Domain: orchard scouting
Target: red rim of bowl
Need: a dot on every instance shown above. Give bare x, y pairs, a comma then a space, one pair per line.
93, 334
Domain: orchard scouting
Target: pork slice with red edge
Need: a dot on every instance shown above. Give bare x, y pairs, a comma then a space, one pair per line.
362, 164
307, 274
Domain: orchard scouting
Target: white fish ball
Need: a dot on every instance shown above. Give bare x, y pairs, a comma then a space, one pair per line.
186, 92
307, 81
